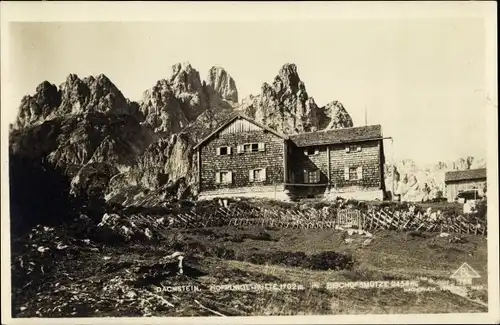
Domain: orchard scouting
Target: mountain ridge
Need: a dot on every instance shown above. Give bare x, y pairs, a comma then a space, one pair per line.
140, 152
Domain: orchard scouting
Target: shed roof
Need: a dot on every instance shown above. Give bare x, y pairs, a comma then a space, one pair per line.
464, 175
345, 135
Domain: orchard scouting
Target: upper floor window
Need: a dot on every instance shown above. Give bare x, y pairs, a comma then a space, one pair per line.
223, 151
353, 148
251, 147
311, 151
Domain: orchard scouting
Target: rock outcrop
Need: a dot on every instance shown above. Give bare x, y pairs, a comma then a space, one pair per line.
172, 103
286, 106
183, 101
162, 110
416, 183
85, 129
73, 97
219, 82
337, 116
165, 170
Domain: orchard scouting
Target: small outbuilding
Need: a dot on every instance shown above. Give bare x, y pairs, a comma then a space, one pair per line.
465, 181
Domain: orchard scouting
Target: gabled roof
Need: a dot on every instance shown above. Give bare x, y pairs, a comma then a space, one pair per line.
235, 116
345, 135
464, 175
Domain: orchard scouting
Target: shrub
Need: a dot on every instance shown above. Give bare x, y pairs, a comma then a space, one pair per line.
480, 210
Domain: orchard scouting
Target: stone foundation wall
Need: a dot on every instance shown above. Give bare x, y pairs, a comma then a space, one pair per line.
277, 192
282, 194
360, 195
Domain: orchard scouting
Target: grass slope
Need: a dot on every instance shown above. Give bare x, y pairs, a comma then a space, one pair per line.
88, 278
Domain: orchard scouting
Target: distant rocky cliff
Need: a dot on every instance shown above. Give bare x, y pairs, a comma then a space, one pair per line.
286, 106
416, 183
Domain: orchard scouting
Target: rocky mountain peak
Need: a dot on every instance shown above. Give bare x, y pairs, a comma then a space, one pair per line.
337, 115
184, 78
73, 96
183, 99
39, 106
92, 94
222, 84
286, 106
288, 78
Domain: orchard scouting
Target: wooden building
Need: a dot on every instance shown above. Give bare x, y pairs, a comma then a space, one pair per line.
464, 180
245, 158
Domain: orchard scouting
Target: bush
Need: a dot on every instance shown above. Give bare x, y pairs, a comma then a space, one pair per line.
481, 210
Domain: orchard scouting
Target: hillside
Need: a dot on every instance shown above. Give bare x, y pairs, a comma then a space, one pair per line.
79, 269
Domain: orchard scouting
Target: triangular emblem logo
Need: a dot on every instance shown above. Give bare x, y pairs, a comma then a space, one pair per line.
465, 274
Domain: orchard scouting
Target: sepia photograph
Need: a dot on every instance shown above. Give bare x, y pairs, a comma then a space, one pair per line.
219, 162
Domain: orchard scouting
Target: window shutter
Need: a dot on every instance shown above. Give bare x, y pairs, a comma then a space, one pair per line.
316, 151
318, 175
306, 176
262, 146
230, 177
250, 175
218, 151
263, 175
229, 150
347, 149
305, 152
360, 172
239, 148
217, 178
358, 148
346, 173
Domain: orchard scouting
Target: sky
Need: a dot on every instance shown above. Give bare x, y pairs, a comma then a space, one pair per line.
423, 80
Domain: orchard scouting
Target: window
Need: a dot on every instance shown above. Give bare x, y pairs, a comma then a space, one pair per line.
251, 147
353, 173
224, 177
257, 175
311, 176
353, 148
311, 151
223, 151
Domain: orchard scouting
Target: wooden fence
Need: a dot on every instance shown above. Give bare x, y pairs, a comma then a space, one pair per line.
386, 219
315, 218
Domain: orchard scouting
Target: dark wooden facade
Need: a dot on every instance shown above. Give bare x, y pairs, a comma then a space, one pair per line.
358, 168
240, 150
243, 156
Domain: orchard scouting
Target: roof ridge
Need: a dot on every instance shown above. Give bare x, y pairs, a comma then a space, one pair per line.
465, 170
346, 128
